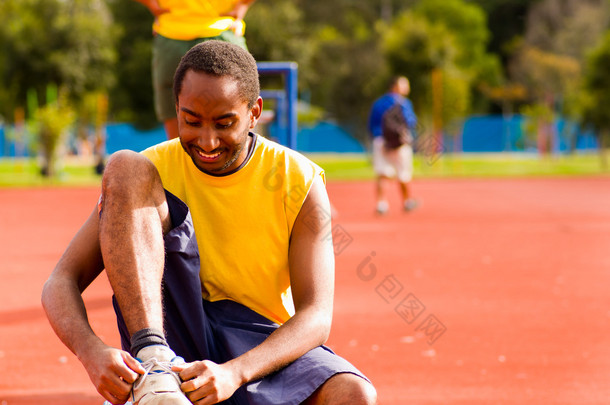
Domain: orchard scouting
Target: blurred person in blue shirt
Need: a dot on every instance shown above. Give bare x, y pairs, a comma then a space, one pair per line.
393, 159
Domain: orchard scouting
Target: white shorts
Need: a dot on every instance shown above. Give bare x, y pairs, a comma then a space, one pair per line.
396, 163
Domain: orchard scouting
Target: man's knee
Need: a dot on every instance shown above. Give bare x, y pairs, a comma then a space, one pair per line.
131, 181
344, 388
362, 391
127, 170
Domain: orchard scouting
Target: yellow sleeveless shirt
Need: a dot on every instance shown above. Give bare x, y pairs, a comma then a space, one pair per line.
191, 19
243, 221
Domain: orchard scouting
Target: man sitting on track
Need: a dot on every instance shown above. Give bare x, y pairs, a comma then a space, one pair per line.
262, 258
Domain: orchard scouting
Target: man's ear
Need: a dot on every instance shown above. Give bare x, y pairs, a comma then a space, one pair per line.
255, 112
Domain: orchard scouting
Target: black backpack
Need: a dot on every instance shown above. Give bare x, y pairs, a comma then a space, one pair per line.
394, 128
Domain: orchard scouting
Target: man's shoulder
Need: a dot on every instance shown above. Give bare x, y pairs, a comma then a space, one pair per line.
161, 149
386, 101
276, 154
166, 156
382, 99
272, 148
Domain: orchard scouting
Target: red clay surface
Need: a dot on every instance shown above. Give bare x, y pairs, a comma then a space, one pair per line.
492, 292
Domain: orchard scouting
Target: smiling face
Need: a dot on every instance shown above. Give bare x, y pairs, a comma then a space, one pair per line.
214, 121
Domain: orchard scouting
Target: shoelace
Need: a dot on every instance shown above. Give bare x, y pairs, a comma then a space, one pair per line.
163, 367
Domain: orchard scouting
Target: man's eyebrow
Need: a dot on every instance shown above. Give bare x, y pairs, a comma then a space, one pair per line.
227, 115
193, 113
197, 115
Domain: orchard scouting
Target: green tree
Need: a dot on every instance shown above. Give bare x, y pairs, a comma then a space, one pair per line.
582, 28
265, 20
506, 20
468, 24
597, 87
447, 40
53, 44
131, 98
415, 47
549, 60
566, 26
357, 76
53, 119
339, 60
547, 76
66, 43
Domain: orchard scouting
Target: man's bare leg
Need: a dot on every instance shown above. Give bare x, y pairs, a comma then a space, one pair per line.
382, 205
133, 220
404, 190
408, 203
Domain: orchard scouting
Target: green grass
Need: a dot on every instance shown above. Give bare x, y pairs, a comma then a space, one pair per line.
26, 173
79, 172
358, 167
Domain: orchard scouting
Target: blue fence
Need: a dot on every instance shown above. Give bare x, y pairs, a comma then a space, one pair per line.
327, 137
498, 134
479, 134
125, 136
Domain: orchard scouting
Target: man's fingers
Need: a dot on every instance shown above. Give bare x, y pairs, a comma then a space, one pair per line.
188, 371
135, 368
118, 388
194, 377
205, 394
114, 399
189, 386
128, 377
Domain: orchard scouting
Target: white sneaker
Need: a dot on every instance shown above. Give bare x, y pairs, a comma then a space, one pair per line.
382, 207
410, 205
159, 385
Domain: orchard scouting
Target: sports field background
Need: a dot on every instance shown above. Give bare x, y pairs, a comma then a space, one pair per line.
495, 291
78, 171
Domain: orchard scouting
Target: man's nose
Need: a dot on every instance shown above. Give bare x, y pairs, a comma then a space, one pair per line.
208, 140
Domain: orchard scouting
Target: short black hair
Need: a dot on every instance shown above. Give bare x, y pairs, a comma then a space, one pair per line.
221, 58
394, 80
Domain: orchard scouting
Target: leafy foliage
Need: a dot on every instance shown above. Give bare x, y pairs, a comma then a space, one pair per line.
597, 85
415, 47
131, 98
68, 43
445, 39
346, 50
548, 61
53, 119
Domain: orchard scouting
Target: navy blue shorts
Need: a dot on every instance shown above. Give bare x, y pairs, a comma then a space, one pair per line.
219, 331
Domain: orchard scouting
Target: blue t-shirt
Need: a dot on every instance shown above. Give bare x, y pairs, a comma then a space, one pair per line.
382, 104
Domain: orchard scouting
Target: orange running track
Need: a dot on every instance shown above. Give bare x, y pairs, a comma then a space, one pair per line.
492, 292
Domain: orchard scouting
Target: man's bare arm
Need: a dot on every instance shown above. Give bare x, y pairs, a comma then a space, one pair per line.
239, 13
241, 9
312, 275
112, 371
